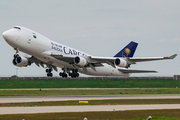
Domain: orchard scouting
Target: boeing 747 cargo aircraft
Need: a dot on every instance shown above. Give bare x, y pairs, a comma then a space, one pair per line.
50, 54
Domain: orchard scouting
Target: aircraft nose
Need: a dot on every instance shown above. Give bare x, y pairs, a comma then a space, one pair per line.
5, 35
10, 35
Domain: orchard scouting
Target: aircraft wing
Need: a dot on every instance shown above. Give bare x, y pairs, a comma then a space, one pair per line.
93, 60
144, 59
97, 61
108, 60
133, 60
64, 58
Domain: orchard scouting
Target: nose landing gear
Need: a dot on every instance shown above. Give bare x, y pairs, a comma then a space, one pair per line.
15, 57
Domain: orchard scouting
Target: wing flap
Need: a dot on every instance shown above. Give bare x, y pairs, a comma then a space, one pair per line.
64, 58
41, 63
103, 59
108, 60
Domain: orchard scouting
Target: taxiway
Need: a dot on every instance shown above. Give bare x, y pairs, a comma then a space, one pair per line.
99, 97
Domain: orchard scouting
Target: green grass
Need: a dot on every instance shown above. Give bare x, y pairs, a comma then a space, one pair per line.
94, 102
75, 83
113, 115
70, 92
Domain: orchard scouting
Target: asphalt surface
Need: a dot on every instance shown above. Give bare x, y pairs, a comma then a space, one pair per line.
59, 109
99, 97
53, 109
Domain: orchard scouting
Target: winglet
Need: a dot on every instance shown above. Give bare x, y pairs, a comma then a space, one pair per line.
172, 56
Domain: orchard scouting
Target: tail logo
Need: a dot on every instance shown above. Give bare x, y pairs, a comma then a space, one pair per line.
126, 52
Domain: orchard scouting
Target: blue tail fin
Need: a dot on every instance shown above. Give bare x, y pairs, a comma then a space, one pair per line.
127, 51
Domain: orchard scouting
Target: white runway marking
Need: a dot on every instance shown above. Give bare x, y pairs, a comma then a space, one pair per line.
55, 109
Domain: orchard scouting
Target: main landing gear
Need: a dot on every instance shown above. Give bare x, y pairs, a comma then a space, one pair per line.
49, 74
73, 74
63, 74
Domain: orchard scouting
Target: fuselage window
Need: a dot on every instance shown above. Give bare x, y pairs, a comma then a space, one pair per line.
17, 28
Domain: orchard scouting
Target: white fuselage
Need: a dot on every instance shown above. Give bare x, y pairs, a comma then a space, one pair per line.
39, 46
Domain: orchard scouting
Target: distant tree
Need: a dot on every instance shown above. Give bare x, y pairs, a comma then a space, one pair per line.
14, 76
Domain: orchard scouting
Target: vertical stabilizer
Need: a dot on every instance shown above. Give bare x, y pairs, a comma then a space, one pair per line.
127, 51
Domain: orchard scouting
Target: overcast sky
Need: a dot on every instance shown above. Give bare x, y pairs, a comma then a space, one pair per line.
97, 27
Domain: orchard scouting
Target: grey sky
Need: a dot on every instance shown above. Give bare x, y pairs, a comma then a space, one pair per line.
97, 27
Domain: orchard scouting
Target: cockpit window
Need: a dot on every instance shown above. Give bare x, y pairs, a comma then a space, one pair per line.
17, 28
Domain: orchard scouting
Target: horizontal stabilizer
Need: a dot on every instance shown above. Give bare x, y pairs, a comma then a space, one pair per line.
172, 56
136, 71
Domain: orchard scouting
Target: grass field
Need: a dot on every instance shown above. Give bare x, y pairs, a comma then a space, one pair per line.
14, 88
75, 83
70, 92
114, 115
94, 102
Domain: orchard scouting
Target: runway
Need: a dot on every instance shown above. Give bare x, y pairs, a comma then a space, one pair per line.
99, 97
87, 108
59, 109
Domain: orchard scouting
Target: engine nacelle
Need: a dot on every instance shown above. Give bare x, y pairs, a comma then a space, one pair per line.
80, 61
20, 61
120, 62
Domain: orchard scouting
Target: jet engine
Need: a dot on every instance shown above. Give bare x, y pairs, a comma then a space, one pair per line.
20, 61
80, 61
120, 62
